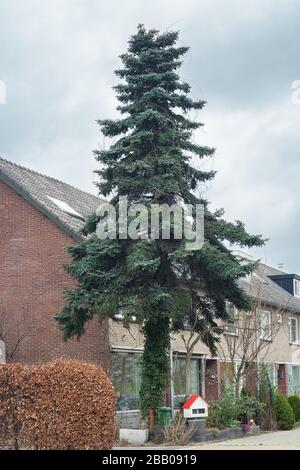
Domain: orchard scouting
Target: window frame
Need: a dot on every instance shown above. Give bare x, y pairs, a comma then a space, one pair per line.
290, 330
292, 388
198, 360
129, 352
264, 337
222, 375
232, 324
272, 376
296, 282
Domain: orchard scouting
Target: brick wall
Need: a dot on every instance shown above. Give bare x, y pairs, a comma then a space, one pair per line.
212, 379
283, 379
32, 282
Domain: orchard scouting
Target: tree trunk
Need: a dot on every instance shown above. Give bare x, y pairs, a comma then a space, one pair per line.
237, 387
187, 374
151, 419
155, 365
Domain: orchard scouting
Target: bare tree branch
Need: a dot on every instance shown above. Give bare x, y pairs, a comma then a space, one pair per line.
13, 330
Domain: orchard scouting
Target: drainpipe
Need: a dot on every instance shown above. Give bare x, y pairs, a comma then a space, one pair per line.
257, 356
203, 372
171, 373
171, 381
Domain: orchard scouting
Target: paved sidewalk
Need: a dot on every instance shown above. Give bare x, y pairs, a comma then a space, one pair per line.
269, 440
277, 440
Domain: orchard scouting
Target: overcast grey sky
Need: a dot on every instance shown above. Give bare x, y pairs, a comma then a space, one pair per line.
57, 59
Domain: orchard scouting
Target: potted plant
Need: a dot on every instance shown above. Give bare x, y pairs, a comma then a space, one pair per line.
135, 436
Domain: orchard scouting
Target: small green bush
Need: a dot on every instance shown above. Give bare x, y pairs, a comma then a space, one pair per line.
223, 412
284, 413
228, 410
294, 401
249, 405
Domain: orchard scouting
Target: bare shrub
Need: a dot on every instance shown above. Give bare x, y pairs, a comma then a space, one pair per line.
65, 404
179, 431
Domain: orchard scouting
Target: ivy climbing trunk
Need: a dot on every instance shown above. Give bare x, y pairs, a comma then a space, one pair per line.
155, 366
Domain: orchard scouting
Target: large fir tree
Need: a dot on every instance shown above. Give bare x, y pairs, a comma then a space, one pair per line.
152, 161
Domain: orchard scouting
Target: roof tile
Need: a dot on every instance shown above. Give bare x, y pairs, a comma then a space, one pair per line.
40, 187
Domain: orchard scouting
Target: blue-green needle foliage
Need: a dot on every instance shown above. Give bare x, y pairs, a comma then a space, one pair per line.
157, 281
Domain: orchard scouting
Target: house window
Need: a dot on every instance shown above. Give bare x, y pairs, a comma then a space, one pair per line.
65, 208
293, 330
231, 325
125, 374
270, 371
227, 377
179, 383
294, 380
296, 288
228, 374
265, 325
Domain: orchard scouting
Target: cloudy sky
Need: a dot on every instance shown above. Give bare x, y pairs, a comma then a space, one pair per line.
57, 59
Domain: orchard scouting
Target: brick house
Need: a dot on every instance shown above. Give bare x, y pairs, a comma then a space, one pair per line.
39, 216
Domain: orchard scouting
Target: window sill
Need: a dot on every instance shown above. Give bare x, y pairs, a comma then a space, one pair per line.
294, 343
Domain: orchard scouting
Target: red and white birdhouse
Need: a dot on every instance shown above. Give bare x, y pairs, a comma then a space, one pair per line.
195, 407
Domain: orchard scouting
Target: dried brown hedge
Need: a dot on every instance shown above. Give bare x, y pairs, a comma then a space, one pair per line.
65, 404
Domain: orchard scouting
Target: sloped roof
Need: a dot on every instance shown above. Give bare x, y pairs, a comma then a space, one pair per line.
192, 400
260, 286
37, 189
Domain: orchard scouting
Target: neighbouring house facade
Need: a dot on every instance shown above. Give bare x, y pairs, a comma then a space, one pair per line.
278, 315
39, 217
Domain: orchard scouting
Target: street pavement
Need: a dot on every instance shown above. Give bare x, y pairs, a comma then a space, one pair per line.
281, 440
278, 440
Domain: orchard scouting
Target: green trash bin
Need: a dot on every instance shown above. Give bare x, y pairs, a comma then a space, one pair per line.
164, 416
